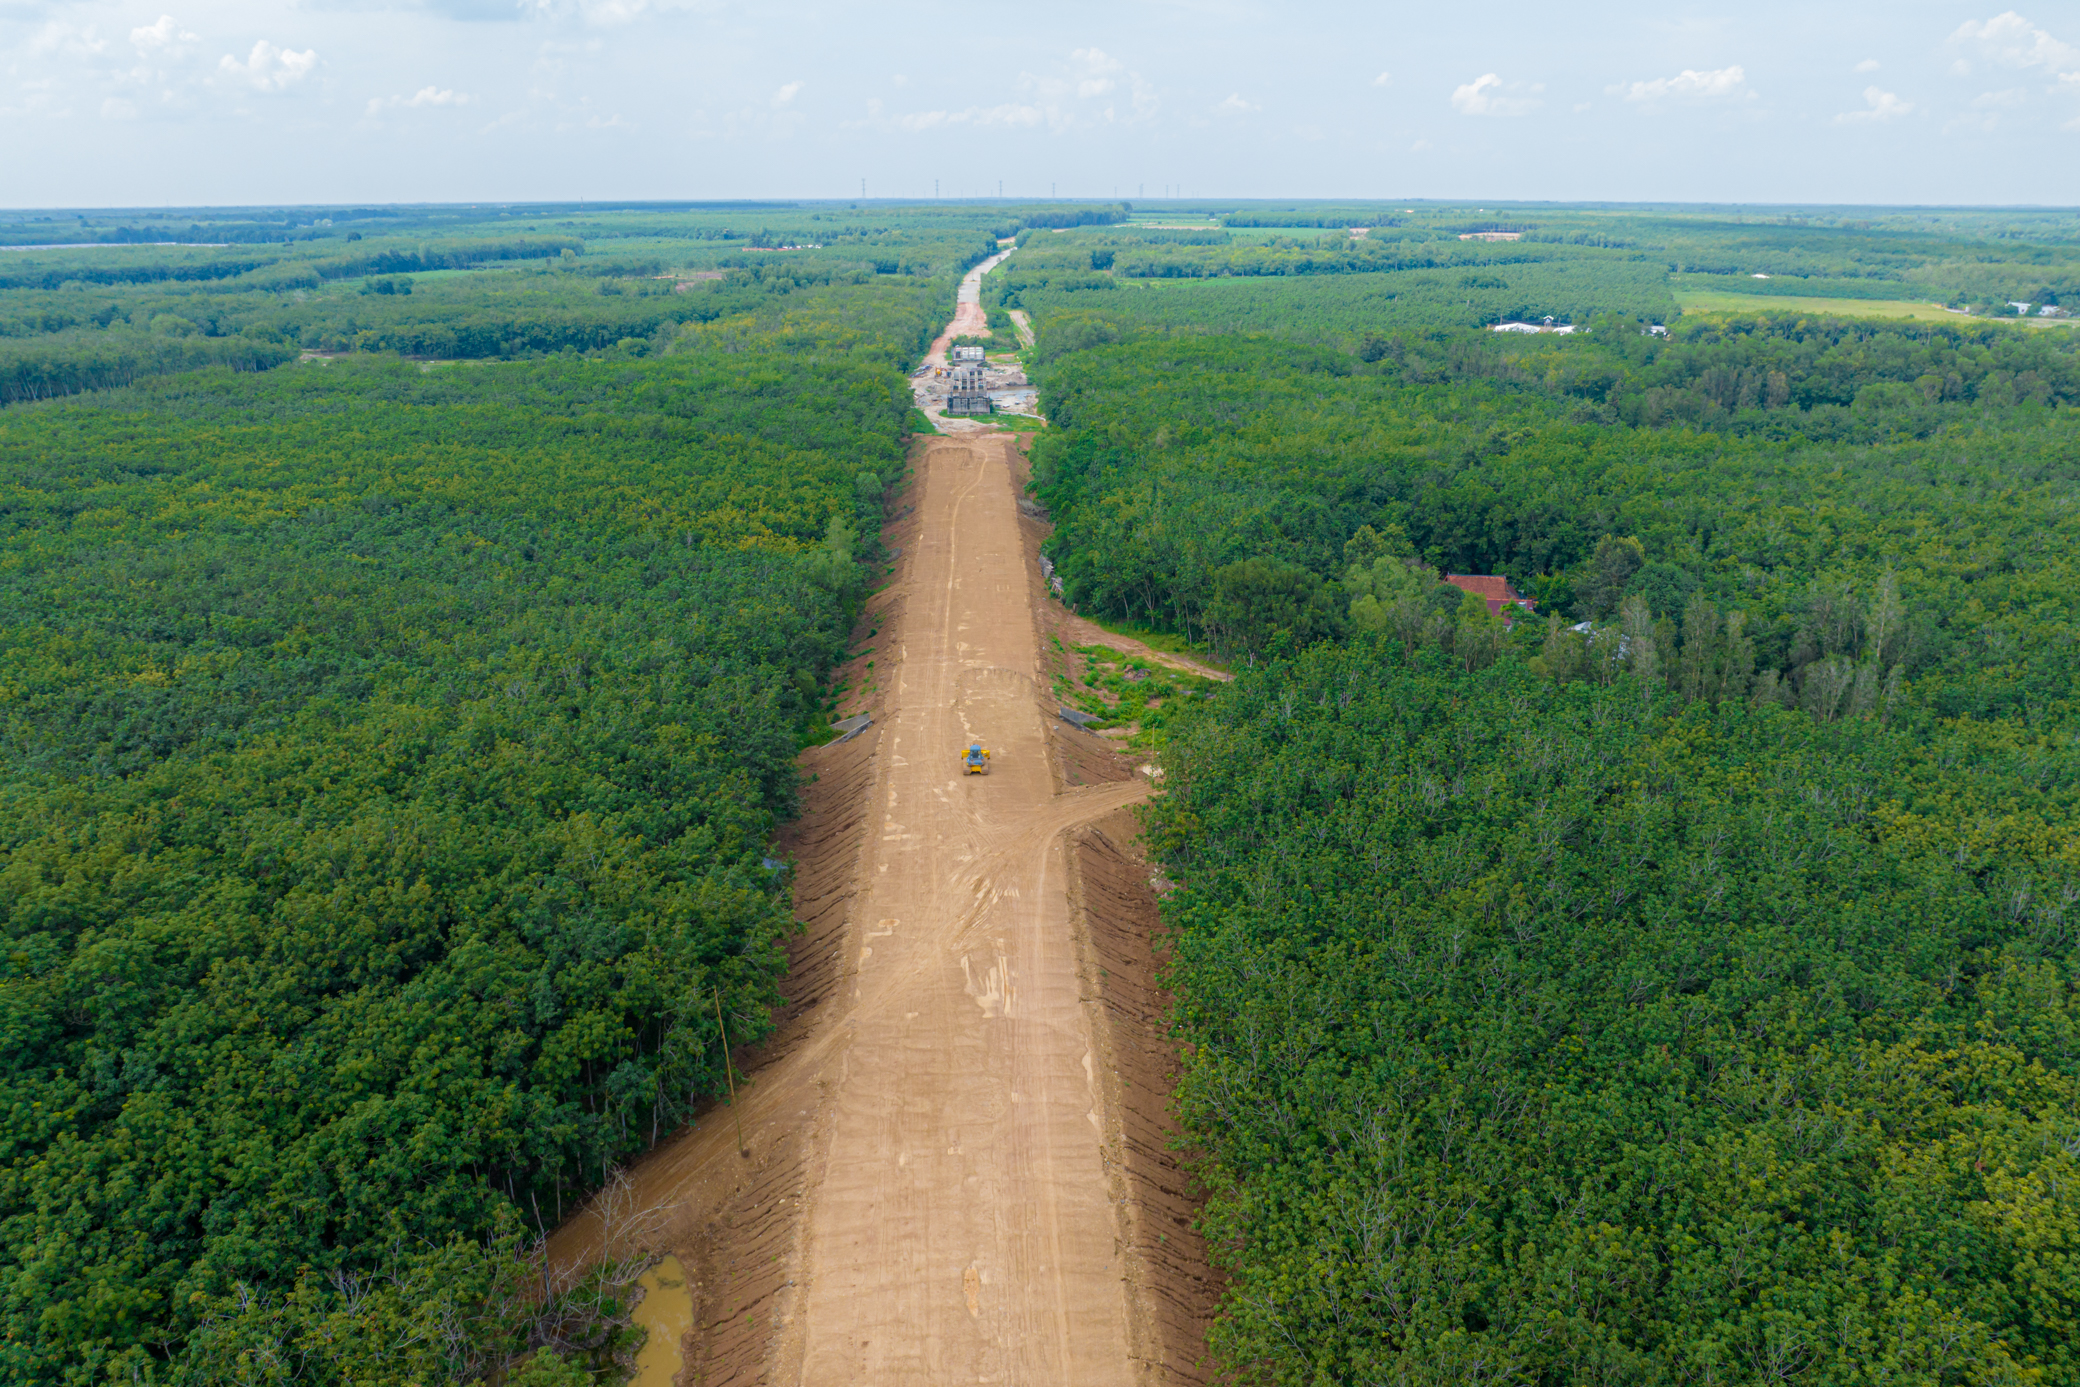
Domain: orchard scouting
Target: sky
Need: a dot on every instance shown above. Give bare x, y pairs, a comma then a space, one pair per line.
151, 103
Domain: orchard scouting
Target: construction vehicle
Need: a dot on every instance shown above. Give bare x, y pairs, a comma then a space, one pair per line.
976, 761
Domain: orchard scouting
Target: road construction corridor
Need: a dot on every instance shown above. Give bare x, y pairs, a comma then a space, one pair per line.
959, 1227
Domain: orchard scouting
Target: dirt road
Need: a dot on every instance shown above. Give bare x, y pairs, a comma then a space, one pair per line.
954, 1165
960, 1225
969, 319
927, 1198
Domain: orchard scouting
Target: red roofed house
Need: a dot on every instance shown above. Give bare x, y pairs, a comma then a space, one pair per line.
1495, 589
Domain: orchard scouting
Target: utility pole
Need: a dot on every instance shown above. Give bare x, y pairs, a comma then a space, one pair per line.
935, 190
728, 1074
1000, 187
863, 189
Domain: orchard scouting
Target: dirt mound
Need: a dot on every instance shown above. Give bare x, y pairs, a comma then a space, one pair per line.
1085, 758
1173, 1289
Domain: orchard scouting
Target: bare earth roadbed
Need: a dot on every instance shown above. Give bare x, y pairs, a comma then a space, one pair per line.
957, 1166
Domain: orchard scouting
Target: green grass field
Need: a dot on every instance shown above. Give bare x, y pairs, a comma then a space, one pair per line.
1693, 301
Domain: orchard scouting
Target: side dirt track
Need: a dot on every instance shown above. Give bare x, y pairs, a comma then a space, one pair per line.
958, 1165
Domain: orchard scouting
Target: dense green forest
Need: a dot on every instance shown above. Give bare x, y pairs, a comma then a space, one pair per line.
487, 284
1677, 984
1461, 289
411, 617
1984, 263
1573, 1032
391, 755
1198, 481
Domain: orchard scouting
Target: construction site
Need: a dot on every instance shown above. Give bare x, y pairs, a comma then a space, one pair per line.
958, 385
952, 1162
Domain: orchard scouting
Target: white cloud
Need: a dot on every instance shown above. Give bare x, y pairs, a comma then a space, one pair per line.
1081, 92
2012, 40
605, 13
1883, 106
1867, 65
425, 96
115, 108
1010, 114
54, 37
162, 36
268, 68
786, 94
1385, 79
1485, 96
1723, 81
1237, 106
1098, 70
1986, 110
2009, 40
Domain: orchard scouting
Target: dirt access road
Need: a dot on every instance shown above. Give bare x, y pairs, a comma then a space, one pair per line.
969, 319
955, 1171
960, 1224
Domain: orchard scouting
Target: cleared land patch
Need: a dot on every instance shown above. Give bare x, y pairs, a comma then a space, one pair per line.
1692, 301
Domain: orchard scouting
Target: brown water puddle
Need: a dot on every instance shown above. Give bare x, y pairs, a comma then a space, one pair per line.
667, 1312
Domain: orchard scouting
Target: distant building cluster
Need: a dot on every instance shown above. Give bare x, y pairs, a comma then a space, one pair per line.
1491, 235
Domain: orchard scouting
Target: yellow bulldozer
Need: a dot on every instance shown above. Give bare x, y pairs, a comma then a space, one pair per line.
976, 760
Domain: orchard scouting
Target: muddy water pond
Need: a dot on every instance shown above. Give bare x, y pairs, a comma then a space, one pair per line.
667, 1312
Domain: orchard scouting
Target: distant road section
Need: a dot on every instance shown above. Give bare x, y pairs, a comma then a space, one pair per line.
968, 318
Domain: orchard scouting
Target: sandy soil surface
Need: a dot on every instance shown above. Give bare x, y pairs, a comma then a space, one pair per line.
961, 1227
944, 1139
